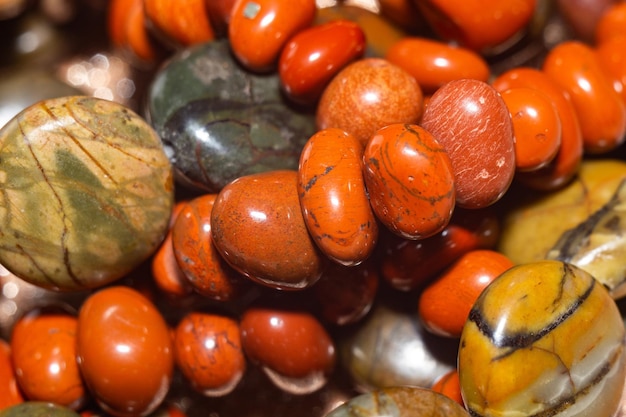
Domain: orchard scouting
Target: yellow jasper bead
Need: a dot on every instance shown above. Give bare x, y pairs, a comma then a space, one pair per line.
544, 339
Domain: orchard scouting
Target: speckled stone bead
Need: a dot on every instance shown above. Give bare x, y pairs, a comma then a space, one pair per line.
544, 339
220, 122
86, 193
38, 409
399, 402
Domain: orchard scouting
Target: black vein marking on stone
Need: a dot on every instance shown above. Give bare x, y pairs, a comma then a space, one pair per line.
523, 340
65, 231
314, 179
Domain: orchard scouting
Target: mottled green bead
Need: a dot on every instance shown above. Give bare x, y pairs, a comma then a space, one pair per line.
220, 122
37, 409
86, 193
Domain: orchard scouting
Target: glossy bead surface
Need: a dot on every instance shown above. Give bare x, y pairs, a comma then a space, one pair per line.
600, 110
478, 25
472, 123
445, 304
450, 386
536, 126
127, 31
277, 250
408, 264
333, 197
290, 346
434, 63
391, 347
259, 29
368, 95
124, 351
315, 55
168, 276
410, 180
544, 338
219, 122
43, 346
96, 175
612, 23
203, 267
207, 350
612, 59
567, 161
11, 394
400, 401
179, 23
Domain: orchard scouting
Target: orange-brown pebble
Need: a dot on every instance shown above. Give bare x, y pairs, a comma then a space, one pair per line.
612, 58
567, 161
445, 304
450, 386
180, 22
601, 112
127, 29
43, 348
168, 276
433, 63
207, 350
258, 227
10, 394
259, 29
612, 23
472, 123
367, 95
333, 197
410, 180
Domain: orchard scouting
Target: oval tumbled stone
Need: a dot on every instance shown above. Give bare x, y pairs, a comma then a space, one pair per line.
86, 193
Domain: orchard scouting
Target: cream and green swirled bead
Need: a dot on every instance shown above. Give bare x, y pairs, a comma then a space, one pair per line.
86, 192
544, 339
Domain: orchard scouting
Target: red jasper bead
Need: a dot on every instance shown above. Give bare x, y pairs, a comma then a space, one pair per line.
450, 386
333, 198
127, 29
315, 55
207, 350
612, 58
346, 294
220, 12
258, 227
259, 29
601, 112
288, 344
410, 180
124, 350
612, 23
11, 394
479, 25
472, 123
43, 347
565, 165
202, 265
536, 126
445, 304
180, 22
434, 63
367, 95
407, 265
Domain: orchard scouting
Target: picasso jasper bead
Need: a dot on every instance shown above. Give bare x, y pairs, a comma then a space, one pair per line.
544, 339
220, 122
86, 193
398, 402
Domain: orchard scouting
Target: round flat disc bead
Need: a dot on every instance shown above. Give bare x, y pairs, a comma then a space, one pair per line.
410, 180
87, 192
545, 338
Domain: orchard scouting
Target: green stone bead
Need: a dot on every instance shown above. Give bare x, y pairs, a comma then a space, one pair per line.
86, 193
37, 409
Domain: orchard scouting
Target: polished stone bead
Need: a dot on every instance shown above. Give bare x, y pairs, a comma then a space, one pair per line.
220, 122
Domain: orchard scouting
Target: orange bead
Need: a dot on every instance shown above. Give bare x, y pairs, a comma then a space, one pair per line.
449, 385
315, 55
259, 29
168, 276
434, 63
410, 181
600, 110
612, 23
567, 161
536, 126
333, 197
9, 391
43, 347
445, 304
367, 95
127, 29
612, 56
180, 22
477, 24
207, 349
